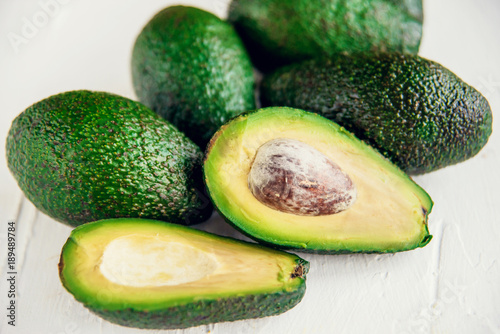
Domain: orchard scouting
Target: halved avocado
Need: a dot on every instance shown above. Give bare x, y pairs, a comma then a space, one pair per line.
293, 179
156, 275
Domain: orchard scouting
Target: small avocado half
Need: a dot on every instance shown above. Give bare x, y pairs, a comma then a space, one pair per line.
156, 275
294, 179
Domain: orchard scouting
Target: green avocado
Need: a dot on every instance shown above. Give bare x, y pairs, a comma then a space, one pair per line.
191, 67
155, 275
282, 32
413, 110
293, 179
82, 156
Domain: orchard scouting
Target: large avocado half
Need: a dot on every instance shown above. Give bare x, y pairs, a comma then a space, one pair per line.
294, 179
156, 275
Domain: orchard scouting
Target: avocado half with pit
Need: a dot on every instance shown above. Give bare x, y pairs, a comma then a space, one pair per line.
151, 274
294, 179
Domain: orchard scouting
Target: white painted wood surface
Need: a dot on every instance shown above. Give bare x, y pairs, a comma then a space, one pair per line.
450, 286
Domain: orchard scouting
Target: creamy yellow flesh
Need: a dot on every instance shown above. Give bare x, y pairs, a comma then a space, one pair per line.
139, 261
387, 212
139, 258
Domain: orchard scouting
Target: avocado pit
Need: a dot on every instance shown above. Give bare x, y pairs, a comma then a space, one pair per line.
141, 261
293, 177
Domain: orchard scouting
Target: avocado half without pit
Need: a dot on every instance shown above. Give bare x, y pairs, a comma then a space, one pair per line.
151, 274
293, 179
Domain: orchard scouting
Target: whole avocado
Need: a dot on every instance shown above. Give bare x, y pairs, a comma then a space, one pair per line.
191, 67
413, 110
81, 156
282, 32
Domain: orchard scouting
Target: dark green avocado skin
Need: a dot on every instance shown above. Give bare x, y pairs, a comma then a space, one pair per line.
82, 156
192, 68
280, 32
206, 311
414, 111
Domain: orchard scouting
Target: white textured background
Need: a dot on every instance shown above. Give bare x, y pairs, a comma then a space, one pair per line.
450, 286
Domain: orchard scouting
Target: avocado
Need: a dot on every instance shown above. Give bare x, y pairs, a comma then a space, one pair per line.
293, 179
283, 32
192, 68
81, 156
413, 110
151, 274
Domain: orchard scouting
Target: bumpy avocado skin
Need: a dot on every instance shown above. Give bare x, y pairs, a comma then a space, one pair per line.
282, 32
191, 67
414, 111
82, 156
207, 311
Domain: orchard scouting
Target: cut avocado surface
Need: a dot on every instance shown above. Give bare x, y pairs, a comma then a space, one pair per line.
380, 209
152, 274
